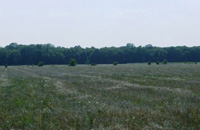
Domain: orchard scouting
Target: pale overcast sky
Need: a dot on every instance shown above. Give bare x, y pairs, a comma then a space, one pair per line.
100, 23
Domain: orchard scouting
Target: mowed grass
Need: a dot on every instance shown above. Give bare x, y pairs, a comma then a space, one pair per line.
131, 96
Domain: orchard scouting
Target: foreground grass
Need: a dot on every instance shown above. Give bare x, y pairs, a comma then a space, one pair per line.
134, 96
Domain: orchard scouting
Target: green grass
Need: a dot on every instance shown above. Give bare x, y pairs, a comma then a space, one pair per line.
132, 96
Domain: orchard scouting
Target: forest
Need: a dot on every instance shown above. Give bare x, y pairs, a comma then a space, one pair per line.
17, 54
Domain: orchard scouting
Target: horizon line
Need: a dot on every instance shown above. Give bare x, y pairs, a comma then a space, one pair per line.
151, 45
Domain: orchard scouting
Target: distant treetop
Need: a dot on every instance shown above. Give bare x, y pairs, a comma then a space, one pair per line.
17, 54
148, 46
130, 45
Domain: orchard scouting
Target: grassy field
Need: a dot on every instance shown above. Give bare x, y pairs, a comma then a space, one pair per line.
131, 96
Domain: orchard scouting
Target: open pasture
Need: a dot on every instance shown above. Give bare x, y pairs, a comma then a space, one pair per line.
130, 96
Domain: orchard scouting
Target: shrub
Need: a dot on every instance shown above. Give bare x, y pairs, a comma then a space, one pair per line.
93, 64
165, 61
72, 62
115, 63
6, 65
149, 63
157, 62
196, 63
40, 64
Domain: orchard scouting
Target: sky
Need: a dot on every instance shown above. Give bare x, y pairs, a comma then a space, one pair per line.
100, 23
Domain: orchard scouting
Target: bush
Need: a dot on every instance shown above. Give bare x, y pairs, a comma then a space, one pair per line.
157, 62
72, 62
93, 64
6, 65
149, 63
40, 64
115, 63
196, 63
165, 61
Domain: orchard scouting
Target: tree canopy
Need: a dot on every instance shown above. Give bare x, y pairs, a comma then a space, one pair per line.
15, 54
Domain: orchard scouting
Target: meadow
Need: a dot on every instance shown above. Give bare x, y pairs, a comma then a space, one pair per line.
129, 96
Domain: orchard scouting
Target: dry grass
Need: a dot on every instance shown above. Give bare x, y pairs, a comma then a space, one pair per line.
132, 96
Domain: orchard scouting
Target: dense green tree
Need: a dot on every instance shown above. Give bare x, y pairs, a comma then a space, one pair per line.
40, 63
115, 63
16, 54
165, 61
3, 56
6, 65
72, 62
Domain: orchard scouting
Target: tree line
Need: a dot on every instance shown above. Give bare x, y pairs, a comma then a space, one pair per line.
16, 54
